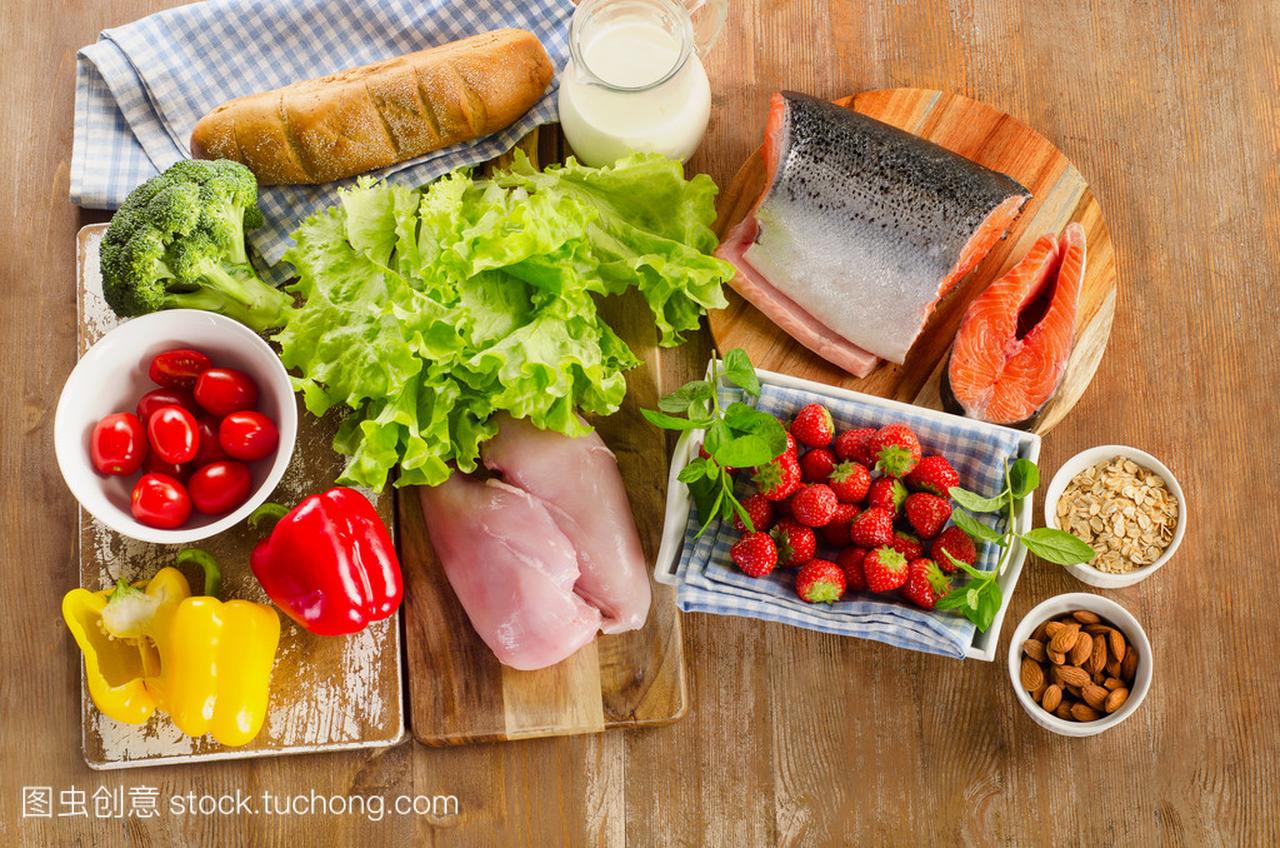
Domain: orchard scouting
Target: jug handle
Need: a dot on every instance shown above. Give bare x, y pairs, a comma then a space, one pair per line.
708, 17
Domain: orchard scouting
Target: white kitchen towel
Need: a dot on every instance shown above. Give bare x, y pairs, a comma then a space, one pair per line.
708, 581
141, 88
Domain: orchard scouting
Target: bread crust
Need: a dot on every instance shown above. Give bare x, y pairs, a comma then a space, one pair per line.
362, 119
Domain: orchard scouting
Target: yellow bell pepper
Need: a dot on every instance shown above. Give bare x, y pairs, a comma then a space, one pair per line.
205, 662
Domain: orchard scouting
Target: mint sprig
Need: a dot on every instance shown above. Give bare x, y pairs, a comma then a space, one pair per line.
979, 599
737, 436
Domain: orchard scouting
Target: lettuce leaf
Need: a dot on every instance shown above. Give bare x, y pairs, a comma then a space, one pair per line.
426, 312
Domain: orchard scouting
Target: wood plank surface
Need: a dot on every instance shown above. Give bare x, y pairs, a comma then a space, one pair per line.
796, 738
1059, 195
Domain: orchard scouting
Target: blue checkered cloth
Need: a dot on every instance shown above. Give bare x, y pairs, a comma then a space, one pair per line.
142, 87
708, 581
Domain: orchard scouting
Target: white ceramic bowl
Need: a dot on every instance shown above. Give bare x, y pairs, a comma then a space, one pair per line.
1093, 456
111, 377
1115, 615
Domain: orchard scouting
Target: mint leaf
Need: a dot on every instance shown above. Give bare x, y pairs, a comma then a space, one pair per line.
742, 514
745, 420
744, 452
718, 435
739, 372
975, 502
1057, 546
1024, 476
686, 398
670, 422
695, 470
976, 528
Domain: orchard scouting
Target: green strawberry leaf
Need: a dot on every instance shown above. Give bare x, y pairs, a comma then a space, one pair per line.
1057, 546
1024, 476
976, 528
670, 422
739, 372
975, 502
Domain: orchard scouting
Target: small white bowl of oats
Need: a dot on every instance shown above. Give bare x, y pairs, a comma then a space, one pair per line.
1126, 504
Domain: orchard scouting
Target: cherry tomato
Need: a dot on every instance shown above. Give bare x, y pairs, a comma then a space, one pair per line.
220, 487
223, 391
210, 450
178, 369
174, 434
158, 500
157, 398
118, 445
248, 435
156, 465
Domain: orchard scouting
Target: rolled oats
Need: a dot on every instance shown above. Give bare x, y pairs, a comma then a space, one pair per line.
1126, 512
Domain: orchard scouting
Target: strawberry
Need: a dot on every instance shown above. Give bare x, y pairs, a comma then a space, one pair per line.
820, 581
907, 545
925, 585
836, 531
887, 493
778, 478
956, 542
814, 505
850, 561
872, 528
927, 513
795, 542
855, 445
816, 465
759, 510
792, 447
933, 474
850, 481
895, 449
755, 553
813, 426
885, 568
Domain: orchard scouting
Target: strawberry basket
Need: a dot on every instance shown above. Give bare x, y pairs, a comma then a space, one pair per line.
706, 580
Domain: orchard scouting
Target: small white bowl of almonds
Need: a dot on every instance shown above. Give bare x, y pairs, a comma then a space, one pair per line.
1126, 504
1080, 664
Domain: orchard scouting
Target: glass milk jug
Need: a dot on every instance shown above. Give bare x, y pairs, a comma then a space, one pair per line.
634, 81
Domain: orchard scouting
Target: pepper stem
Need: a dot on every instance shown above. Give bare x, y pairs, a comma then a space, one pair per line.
268, 511
212, 574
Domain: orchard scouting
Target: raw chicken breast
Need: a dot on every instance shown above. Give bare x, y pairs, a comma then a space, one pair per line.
578, 481
512, 569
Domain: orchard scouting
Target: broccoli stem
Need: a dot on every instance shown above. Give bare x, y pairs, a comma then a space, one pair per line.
242, 296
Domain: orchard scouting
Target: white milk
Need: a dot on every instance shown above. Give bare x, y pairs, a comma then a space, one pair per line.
604, 123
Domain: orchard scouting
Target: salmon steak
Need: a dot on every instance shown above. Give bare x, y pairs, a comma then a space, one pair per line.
1014, 341
861, 229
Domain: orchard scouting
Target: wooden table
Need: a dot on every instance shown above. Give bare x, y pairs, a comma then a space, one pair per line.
794, 737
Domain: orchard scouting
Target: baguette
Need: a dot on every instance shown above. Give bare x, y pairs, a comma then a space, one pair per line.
370, 117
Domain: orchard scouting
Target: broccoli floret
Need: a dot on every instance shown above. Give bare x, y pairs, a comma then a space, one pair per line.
178, 242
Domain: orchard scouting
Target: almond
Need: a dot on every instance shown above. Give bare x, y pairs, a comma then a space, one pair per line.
1034, 649
1085, 617
1094, 696
1052, 697
1053, 628
1112, 684
1113, 668
1096, 628
1116, 644
1055, 657
1032, 675
1129, 667
1115, 700
1097, 656
1064, 639
1084, 712
1063, 711
1038, 692
1070, 675
1082, 649
1041, 633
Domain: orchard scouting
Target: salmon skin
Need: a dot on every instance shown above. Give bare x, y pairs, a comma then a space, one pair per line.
1014, 341
861, 229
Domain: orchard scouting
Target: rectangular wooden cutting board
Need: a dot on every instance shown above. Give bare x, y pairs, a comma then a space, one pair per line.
327, 694
460, 693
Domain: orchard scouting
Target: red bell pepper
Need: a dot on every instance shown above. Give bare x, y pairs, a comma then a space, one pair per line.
329, 563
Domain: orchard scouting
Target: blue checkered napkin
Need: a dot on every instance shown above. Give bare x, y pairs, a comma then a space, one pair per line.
142, 87
708, 581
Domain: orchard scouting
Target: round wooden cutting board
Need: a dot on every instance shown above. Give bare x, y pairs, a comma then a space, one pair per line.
991, 138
